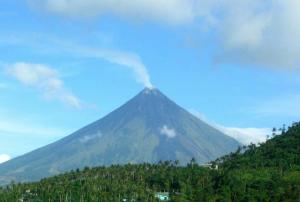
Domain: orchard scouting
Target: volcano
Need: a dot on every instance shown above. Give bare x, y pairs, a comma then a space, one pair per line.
148, 128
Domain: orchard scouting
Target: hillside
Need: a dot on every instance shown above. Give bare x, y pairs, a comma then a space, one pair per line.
281, 151
269, 172
148, 128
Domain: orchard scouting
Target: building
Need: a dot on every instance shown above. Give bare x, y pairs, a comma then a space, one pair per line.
163, 196
210, 166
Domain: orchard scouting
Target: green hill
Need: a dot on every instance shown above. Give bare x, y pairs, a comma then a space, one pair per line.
268, 172
281, 151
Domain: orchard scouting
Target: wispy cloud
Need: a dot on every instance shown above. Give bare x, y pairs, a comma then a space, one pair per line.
21, 128
243, 135
169, 132
45, 79
169, 11
19, 136
4, 158
265, 33
50, 45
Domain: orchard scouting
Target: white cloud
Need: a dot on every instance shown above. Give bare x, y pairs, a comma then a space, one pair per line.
259, 32
169, 11
265, 33
4, 158
243, 135
54, 45
246, 135
88, 138
169, 132
44, 78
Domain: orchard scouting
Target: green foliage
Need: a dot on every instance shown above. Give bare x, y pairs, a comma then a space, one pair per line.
268, 172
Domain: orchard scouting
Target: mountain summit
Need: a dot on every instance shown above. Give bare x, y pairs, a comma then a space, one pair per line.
148, 128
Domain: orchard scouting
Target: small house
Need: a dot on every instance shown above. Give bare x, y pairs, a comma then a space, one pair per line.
210, 166
162, 196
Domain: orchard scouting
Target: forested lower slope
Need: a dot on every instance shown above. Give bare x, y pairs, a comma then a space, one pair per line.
268, 172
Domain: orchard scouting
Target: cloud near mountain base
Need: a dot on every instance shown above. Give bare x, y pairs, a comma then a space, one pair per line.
4, 158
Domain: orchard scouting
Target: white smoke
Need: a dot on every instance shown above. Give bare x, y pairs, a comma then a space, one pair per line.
129, 60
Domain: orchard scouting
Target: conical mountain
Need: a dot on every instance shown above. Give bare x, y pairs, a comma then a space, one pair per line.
148, 128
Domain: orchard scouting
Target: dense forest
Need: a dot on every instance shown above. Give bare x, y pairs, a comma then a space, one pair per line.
266, 172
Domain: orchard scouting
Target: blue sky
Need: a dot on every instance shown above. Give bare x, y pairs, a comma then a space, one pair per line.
64, 64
